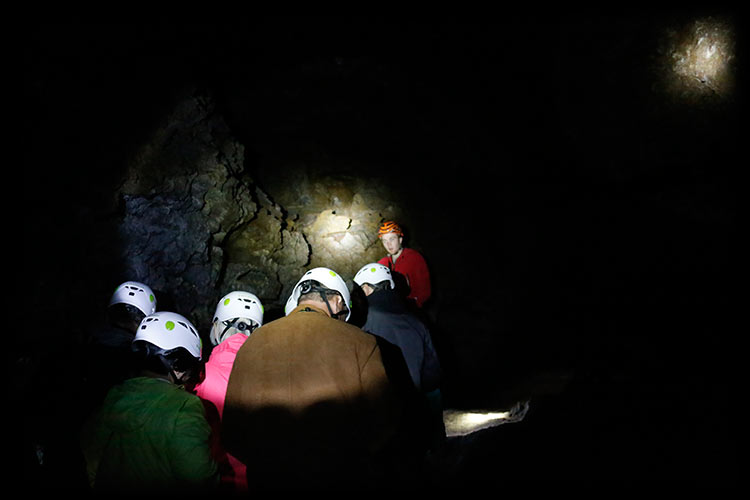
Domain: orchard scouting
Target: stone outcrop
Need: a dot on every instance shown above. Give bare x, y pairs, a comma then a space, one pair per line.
183, 194
195, 225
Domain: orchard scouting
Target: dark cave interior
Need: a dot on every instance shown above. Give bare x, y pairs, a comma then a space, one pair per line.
576, 211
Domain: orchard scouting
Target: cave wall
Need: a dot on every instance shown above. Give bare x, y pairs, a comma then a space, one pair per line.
194, 225
560, 183
182, 193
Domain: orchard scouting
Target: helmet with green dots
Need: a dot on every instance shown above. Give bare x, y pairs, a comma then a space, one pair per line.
374, 273
136, 294
328, 279
168, 330
237, 311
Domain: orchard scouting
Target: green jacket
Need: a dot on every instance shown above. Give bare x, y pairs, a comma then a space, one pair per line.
149, 435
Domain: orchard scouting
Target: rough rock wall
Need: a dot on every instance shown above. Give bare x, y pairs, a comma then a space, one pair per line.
195, 225
183, 193
337, 215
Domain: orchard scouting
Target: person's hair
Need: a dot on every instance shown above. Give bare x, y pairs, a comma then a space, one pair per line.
125, 316
377, 287
153, 358
311, 290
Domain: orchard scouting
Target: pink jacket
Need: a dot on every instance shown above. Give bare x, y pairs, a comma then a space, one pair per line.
213, 388
218, 367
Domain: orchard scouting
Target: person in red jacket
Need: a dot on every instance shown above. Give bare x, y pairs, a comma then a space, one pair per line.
405, 261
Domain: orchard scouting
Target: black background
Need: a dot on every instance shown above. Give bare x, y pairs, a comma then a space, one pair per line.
577, 219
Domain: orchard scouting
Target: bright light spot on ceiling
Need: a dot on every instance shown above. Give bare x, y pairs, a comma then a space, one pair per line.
461, 423
699, 59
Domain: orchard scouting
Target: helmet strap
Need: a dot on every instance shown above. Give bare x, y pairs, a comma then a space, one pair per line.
226, 329
328, 305
247, 331
308, 287
325, 299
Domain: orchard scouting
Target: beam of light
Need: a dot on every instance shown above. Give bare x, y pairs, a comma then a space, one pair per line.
482, 418
462, 423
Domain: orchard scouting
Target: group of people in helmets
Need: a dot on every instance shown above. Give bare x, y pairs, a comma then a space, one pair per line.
305, 401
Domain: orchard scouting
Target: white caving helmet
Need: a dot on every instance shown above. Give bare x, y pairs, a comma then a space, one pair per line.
326, 277
136, 294
374, 273
237, 311
168, 331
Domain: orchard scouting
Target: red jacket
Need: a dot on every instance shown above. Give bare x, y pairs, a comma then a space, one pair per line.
413, 267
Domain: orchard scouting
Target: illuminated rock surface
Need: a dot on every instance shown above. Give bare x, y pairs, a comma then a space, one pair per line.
196, 224
698, 64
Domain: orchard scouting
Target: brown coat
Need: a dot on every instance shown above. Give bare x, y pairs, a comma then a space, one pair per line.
308, 394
